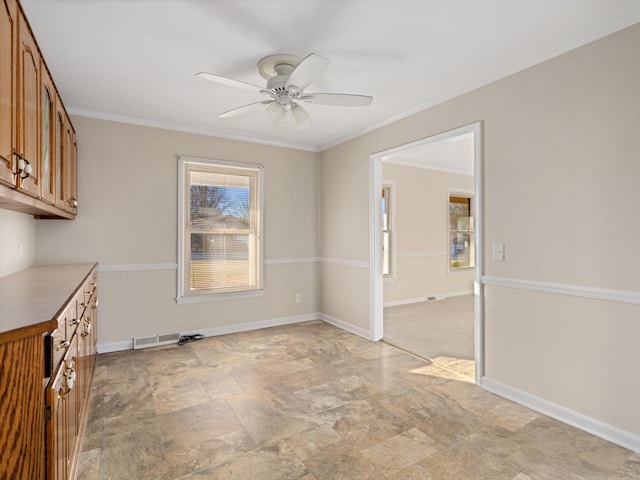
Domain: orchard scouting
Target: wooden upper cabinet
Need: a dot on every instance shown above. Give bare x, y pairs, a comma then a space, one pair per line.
8, 40
28, 106
60, 133
38, 151
47, 137
70, 165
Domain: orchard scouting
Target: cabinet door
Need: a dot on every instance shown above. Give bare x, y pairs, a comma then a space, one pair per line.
57, 435
8, 78
28, 106
47, 137
59, 156
63, 426
70, 165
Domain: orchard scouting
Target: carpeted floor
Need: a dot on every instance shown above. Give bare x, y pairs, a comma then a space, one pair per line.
432, 330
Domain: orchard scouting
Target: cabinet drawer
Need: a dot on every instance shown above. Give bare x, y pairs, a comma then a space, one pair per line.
57, 342
72, 319
85, 295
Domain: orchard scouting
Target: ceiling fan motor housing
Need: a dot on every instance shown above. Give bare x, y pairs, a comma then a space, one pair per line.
278, 81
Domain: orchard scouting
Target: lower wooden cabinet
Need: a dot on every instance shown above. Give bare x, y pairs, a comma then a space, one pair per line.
65, 402
46, 369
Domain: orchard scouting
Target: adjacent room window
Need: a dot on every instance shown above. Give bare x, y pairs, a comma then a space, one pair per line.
387, 230
461, 238
220, 228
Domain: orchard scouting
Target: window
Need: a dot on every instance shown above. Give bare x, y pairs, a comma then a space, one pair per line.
387, 229
220, 236
461, 243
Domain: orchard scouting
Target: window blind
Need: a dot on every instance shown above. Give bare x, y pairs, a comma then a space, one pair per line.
222, 228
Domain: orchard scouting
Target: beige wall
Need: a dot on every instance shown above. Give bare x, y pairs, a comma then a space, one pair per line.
127, 222
422, 234
16, 229
561, 165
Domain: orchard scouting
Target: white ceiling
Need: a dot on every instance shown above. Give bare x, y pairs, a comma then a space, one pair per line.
135, 60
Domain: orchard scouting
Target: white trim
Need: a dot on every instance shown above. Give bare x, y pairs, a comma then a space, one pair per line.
571, 417
347, 263
276, 261
131, 267
246, 327
375, 235
361, 332
421, 254
554, 51
115, 346
215, 297
215, 331
595, 293
376, 278
183, 162
478, 214
409, 301
143, 122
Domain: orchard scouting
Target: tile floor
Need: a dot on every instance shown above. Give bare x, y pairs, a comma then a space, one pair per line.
310, 401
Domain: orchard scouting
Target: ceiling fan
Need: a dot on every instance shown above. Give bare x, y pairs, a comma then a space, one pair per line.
287, 76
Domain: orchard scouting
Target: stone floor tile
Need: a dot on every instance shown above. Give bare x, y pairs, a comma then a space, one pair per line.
175, 396
198, 423
133, 454
89, 465
185, 457
313, 402
309, 442
264, 423
277, 463
338, 462
362, 423
401, 451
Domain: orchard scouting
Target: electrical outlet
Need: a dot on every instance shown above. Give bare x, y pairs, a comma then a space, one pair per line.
298, 298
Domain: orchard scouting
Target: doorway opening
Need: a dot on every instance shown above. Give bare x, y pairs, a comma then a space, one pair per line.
426, 260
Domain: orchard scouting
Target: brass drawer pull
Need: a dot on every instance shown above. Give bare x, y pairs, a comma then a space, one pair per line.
62, 345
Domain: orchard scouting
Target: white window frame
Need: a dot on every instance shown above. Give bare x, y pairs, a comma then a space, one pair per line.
390, 185
182, 280
459, 192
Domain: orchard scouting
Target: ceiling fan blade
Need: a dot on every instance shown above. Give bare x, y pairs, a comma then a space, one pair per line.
337, 99
229, 82
243, 109
310, 68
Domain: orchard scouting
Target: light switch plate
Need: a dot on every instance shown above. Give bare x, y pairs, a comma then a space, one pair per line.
498, 252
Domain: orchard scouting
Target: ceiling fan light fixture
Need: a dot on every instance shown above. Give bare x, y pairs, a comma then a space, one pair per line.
300, 117
275, 112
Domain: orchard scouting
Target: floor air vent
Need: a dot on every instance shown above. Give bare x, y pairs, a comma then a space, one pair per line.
155, 340
434, 298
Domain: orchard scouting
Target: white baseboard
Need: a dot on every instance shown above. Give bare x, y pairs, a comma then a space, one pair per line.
583, 422
245, 327
408, 301
115, 346
361, 332
227, 329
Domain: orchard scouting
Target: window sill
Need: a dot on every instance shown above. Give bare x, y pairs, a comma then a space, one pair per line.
214, 297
